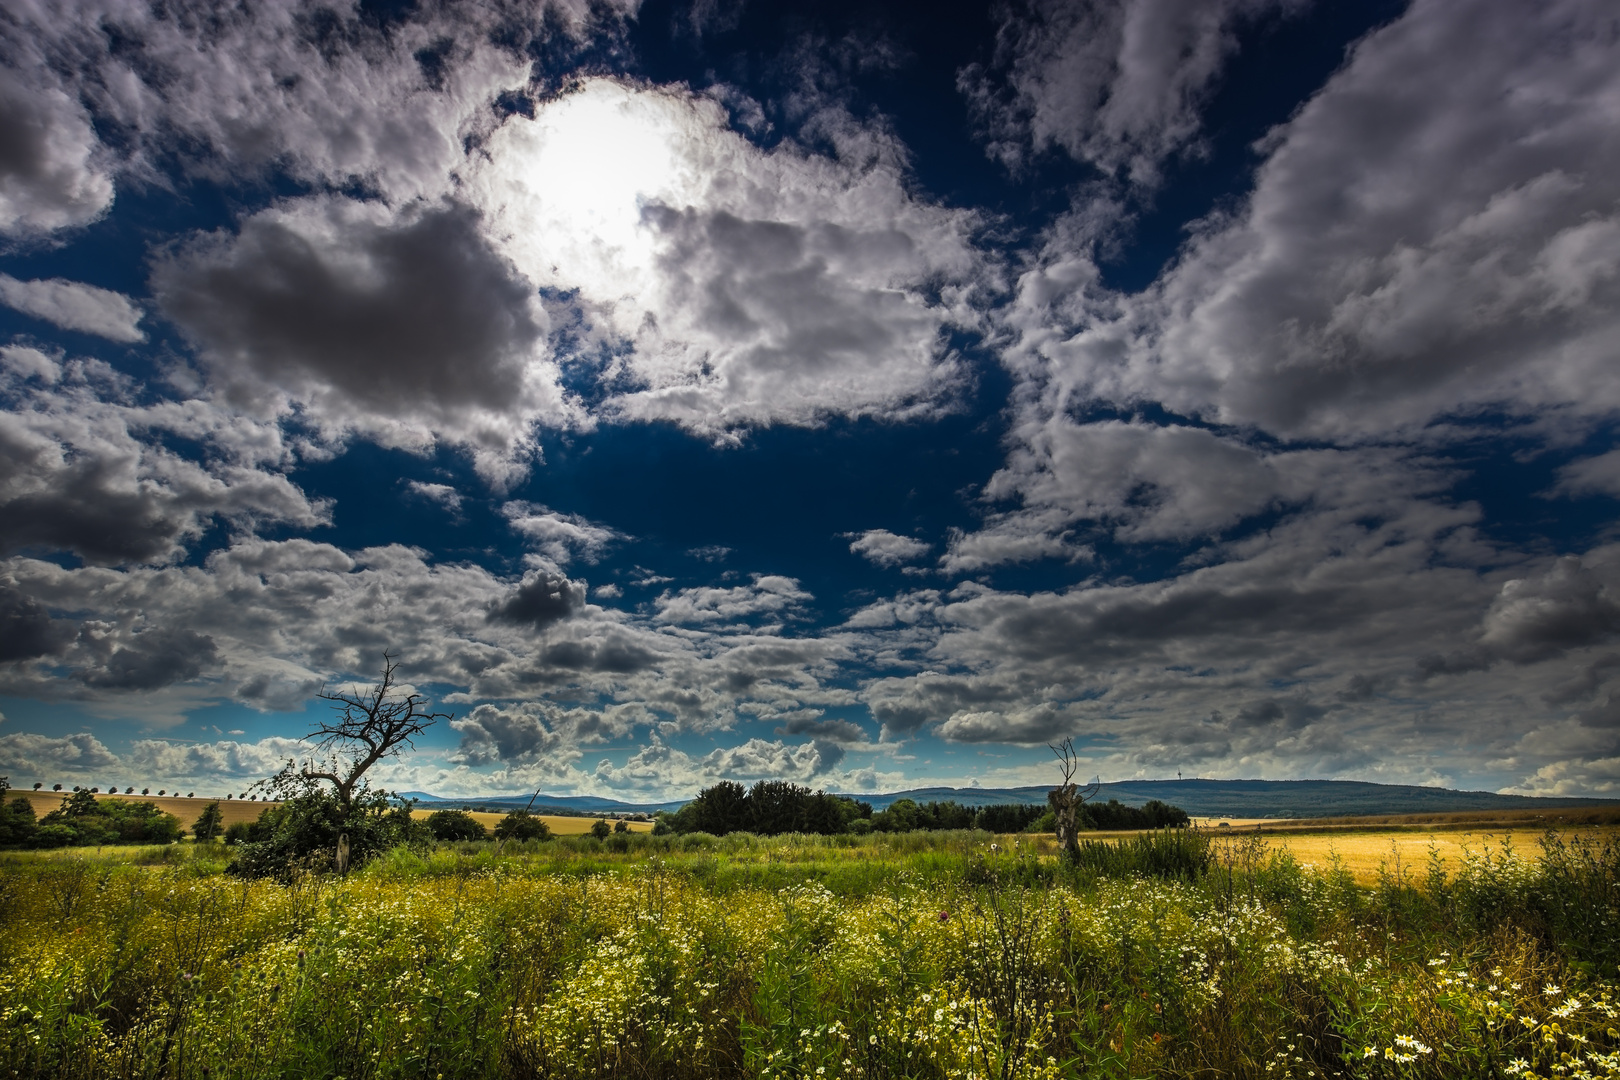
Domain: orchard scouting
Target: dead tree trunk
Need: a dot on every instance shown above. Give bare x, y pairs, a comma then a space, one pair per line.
1067, 798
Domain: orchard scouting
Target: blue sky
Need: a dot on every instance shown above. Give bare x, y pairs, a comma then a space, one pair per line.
859, 395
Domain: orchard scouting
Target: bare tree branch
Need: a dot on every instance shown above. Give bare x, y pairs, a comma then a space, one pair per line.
366, 728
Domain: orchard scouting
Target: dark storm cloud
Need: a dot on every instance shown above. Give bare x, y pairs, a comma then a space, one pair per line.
827, 731
542, 598
27, 629
404, 317
490, 734
613, 655
154, 659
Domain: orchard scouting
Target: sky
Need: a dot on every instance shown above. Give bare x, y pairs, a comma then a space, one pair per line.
857, 394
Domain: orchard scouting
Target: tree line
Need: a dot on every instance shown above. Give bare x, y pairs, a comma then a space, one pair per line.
772, 807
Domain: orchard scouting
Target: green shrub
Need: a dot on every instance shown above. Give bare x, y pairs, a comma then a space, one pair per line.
455, 825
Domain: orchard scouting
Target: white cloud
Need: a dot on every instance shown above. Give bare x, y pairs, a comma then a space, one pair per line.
1116, 83
51, 173
751, 287
769, 594
26, 755
73, 305
1433, 234
887, 549
560, 538
443, 494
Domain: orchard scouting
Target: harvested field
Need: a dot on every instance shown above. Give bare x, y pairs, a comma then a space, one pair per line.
187, 810
560, 826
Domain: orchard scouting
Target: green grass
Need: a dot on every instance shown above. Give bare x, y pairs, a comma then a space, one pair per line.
922, 955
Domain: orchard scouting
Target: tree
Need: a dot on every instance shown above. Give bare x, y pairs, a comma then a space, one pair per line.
456, 825
209, 823
1067, 798
601, 830
325, 805
621, 826
522, 825
367, 728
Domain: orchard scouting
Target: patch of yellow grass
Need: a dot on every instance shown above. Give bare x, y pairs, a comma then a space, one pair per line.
560, 826
1364, 853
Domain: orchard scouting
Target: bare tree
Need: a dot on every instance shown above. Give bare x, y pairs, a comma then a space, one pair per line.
1067, 798
366, 728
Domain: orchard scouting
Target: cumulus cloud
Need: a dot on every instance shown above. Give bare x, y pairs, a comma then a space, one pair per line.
23, 754
81, 471
404, 327
324, 92
540, 599
1114, 83
154, 658
1343, 300
73, 305
887, 549
769, 594
51, 173
746, 287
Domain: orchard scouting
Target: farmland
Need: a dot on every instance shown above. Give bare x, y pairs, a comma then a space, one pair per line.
949, 954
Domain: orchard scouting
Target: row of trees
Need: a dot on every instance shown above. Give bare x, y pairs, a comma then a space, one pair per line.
771, 807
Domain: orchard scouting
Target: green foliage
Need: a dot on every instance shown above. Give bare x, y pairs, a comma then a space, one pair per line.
1169, 854
301, 834
209, 823
455, 825
84, 820
522, 825
769, 808
601, 829
1116, 816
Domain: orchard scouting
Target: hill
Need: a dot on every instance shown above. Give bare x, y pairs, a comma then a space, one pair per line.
1200, 798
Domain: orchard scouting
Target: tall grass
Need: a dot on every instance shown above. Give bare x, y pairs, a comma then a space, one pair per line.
958, 955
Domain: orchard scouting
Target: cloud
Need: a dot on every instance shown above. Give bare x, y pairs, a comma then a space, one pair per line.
24, 754
541, 598
402, 327
75, 306
443, 494
769, 594
561, 538
735, 287
82, 471
887, 549
822, 730
1115, 83
27, 629
1598, 475
153, 659
1343, 300
51, 175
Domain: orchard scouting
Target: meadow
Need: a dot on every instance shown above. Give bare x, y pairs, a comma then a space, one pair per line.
1178, 954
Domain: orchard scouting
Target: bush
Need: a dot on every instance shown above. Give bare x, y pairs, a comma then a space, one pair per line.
83, 820
522, 825
302, 833
455, 825
601, 829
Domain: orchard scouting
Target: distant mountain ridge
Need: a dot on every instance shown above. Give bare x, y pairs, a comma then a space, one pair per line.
1200, 798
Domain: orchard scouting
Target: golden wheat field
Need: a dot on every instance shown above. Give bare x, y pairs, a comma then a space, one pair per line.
559, 825
187, 810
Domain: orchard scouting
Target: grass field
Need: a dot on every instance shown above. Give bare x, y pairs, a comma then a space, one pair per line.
919, 955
